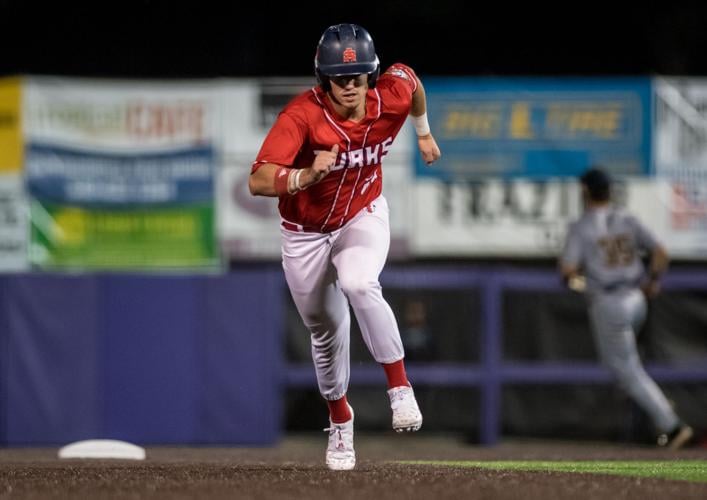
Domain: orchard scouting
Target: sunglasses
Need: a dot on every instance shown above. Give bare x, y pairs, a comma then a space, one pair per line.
343, 80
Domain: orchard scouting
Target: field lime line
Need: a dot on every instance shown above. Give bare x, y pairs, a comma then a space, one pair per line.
682, 470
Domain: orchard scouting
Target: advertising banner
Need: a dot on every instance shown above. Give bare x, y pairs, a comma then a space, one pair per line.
73, 176
680, 139
538, 128
121, 173
677, 212
492, 218
681, 128
121, 114
65, 236
523, 218
10, 125
13, 224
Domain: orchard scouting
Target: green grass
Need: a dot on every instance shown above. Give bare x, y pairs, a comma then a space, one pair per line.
682, 470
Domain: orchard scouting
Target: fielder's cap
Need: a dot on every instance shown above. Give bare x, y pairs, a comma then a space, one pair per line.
598, 182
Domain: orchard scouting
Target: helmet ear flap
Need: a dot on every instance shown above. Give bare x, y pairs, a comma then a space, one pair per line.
324, 83
322, 80
373, 77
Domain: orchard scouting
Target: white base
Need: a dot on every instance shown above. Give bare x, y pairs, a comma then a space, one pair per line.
102, 448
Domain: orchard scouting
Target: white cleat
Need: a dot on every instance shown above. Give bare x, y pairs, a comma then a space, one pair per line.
406, 413
340, 454
676, 439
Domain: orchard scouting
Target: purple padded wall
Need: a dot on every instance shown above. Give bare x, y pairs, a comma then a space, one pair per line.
148, 359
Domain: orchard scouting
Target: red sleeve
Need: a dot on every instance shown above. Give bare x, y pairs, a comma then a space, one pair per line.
283, 142
403, 78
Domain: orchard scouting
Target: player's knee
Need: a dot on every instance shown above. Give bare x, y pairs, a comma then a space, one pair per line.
356, 286
318, 322
625, 378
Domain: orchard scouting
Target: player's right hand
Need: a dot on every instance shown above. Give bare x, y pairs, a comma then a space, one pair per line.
650, 288
323, 163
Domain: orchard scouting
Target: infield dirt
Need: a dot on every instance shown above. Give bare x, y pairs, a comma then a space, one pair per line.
295, 469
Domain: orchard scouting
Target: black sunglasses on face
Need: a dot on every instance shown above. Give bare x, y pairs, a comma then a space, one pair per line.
343, 80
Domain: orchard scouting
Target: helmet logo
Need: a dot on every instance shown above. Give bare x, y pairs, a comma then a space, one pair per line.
349, 55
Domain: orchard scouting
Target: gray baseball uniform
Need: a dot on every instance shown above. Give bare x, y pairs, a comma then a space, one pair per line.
606, 243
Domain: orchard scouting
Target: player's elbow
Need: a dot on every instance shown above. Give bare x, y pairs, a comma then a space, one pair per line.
255, 186
661, 256
261, 182
252, 186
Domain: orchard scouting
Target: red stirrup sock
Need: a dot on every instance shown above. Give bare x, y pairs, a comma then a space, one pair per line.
395, 372
339, 411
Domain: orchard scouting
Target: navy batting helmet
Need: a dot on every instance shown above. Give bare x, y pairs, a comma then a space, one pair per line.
345, 49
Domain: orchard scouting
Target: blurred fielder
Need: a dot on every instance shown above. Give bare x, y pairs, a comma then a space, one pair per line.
322, 159
602, 257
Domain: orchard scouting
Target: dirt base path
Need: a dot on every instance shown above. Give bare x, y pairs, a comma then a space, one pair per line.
295, 469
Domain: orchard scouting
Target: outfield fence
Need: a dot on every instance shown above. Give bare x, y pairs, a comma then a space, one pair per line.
492, 371
200, 359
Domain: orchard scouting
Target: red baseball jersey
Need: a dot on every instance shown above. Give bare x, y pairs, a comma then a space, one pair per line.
309, 124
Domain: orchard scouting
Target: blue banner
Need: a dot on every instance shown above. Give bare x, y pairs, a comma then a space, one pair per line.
538, 128
88, 178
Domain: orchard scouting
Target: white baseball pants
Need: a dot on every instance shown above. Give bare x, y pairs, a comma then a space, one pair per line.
327, 272
615, 318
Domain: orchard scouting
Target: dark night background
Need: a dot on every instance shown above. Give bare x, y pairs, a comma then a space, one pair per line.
438, 37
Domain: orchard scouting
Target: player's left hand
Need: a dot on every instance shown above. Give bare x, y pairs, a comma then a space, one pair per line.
577, 283
429, 149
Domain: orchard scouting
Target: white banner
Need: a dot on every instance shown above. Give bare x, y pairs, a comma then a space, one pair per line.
677, 212
119, 114
680, 140
517, 218
680, 136
13, 224
529, 219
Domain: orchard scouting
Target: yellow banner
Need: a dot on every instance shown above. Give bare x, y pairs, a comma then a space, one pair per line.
10, 125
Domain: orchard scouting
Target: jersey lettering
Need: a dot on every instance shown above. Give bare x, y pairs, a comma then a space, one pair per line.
386, 145
373, 153
357, 158
618, 250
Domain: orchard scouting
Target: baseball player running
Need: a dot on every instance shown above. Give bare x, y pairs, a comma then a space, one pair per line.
322, 159
602, 257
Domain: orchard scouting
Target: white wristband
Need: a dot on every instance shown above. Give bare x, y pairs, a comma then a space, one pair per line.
293, 184
297, 184
422, 126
